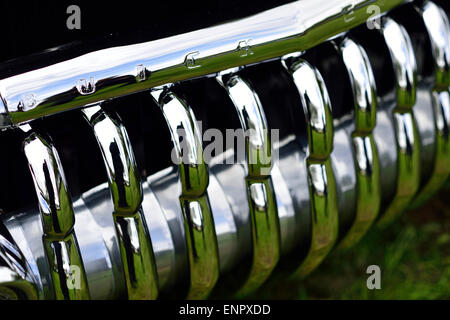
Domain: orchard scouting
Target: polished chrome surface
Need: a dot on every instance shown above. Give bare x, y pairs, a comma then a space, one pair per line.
406, 132
231, 179
262, 201
166, 190
14, 287
225, 225
58, 218
199, 226
364, 148
322, 185
384, 136
292, 167
202, 220
16, 279
403, 60
118, 71
344, 170
437, 25
127, 194
97, 242
287, 217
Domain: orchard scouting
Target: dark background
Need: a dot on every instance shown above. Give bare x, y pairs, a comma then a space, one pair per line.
31, 27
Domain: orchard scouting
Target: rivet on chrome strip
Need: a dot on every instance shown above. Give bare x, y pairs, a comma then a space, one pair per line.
84, 87
28, 102
245, 48
190, 61
141, 73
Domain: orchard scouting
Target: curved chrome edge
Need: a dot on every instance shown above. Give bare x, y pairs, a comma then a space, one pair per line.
265, 227
365, 151
406, 131
58, 219
118, 71
201, 239
403, 60
441, 170
14, 287
287, 217
437, 25
322, 185
97, 248
5, 119
16, 280
162, 240
165, 187
225, 225
127, 194
231, 180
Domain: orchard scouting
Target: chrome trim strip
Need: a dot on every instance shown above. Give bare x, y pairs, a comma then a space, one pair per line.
366, 154
201, 239
322, 185
406, 131
126, 191
437, 25
118, 71
260, 191
58, 219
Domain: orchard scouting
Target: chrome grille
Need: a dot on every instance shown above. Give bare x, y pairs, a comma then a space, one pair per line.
363, 115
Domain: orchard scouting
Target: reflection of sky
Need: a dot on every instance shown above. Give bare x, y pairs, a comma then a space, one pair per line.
397, 43
405, 133
343, 163
285, 207
181, 126
357, 67
438, 32
38, 156
312, 98
249, 112
278, 23
105, 130
444, 98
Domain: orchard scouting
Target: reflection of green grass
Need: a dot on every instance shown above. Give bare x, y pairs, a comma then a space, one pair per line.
413, 254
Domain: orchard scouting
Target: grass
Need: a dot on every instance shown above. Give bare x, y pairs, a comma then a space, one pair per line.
413, 255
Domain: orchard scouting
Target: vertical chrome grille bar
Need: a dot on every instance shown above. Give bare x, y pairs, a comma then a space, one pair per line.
437, 25
366, 154
261, 196
58, 219
201, 237
126, 190
322, 185
406, 132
